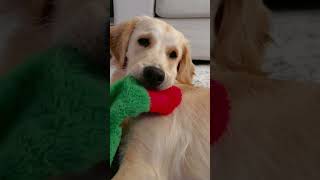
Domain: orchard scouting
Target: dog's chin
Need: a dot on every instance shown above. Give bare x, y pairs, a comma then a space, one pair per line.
149, 86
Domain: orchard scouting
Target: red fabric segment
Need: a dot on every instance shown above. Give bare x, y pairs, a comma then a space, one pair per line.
165, 101
219, 110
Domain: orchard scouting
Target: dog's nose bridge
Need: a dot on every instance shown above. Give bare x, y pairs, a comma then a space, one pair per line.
153, 63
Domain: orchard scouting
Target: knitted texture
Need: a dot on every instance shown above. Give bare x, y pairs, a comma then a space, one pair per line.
128, 99
220, 108
53, 110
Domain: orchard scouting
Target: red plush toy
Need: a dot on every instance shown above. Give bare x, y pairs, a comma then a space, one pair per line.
165, 101
219, 111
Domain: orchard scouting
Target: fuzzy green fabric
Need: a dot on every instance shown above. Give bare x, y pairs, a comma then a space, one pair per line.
127, 99
53, 116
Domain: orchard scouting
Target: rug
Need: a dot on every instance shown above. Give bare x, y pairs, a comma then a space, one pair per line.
295, 53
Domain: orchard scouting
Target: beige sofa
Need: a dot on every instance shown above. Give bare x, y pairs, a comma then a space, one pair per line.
192, 17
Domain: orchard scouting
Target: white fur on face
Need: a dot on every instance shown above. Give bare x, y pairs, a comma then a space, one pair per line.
163, 39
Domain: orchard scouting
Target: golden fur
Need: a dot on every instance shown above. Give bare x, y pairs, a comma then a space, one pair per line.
274, 123
169, 147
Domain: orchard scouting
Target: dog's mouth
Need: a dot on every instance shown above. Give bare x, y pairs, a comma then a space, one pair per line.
149, 86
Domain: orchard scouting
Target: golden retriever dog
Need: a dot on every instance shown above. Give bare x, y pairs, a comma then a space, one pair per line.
170, 147
32, 26
274, 124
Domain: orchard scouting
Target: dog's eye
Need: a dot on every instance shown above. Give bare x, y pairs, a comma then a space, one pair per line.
173, 55
144, 42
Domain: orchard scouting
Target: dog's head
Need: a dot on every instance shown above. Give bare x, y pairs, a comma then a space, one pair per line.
241, 31
152, 51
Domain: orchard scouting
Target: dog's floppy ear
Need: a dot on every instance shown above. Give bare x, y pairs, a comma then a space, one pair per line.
185, 67
242, 32
119, 39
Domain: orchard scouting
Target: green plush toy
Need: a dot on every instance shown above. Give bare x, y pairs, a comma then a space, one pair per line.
130, 99
52, 113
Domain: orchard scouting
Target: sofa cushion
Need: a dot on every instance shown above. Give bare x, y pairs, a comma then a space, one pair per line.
183, 8
197, 31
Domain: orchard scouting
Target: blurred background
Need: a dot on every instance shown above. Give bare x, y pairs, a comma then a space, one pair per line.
295, 53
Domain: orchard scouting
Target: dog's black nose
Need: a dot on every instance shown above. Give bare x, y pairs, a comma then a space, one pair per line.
153, 76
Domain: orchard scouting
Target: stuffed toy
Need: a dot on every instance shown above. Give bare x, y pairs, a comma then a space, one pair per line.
129, 99
220, 109
53, 110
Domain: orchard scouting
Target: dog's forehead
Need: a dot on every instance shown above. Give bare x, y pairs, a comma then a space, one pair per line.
159, 28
